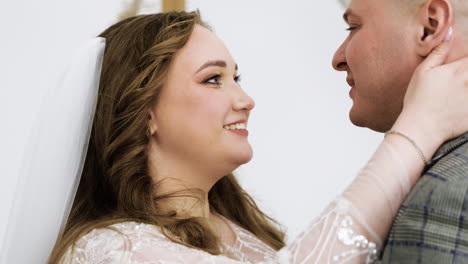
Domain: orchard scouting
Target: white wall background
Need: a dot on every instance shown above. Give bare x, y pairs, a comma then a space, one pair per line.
306, 150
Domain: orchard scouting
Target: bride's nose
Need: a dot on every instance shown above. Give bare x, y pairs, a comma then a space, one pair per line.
242, 101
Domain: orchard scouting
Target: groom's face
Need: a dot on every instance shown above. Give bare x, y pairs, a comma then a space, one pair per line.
379, 58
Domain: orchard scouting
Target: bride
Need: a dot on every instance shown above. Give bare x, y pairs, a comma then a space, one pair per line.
170, 127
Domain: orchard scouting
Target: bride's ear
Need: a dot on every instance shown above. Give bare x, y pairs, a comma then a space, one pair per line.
434, 19
152, 125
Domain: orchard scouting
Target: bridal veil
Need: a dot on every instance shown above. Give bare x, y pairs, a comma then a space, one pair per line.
53, 160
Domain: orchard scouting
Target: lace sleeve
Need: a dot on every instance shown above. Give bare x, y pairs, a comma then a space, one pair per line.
353, 226
334, 237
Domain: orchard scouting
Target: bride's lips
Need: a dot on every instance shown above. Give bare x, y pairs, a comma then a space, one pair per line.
239, 127
240, 132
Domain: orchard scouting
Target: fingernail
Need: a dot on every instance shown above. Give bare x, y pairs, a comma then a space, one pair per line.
449, 34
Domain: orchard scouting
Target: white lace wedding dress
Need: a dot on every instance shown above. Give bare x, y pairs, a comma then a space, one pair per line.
348, 231
137, 243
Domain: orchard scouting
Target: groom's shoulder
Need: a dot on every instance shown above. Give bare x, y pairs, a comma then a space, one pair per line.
429, 226
448, 172
451, 165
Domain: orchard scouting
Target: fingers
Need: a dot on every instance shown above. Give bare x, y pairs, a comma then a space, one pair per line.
460, 64
437, 56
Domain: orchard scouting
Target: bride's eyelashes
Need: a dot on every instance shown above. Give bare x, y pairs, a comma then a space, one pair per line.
213, 79
216, 79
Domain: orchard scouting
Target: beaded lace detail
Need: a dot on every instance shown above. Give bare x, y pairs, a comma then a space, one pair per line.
331, 238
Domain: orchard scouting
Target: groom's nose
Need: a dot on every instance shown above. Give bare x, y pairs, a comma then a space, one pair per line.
339, 59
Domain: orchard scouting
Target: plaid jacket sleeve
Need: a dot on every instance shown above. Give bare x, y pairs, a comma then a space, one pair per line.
432, 224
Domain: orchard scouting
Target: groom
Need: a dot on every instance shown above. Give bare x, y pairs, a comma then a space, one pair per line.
387, 40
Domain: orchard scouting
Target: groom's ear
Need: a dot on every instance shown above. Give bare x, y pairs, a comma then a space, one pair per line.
434, 20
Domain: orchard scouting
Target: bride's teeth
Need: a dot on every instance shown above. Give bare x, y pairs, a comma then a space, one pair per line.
235, 126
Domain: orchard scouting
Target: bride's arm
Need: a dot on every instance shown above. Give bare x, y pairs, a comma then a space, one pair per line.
353, 227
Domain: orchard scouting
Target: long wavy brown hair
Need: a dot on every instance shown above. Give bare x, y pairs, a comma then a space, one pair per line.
115, 184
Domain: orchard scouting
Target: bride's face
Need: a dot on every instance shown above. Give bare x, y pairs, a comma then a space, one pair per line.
202, 112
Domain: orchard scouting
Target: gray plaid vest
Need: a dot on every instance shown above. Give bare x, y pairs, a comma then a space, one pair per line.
431, 226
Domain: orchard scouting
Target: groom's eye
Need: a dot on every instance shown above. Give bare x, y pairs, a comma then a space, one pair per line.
351, 28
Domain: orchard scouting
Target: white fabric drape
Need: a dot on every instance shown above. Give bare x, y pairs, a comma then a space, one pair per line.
53, 160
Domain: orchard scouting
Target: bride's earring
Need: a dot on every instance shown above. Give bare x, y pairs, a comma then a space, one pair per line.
150, 126
148, 132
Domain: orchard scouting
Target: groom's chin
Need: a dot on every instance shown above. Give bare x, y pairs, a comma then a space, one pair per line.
375, 124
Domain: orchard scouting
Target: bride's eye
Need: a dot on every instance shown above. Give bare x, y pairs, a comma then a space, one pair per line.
215, 79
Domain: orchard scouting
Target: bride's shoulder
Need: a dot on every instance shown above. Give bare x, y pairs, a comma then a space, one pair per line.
125, 234
118, 241
123, 231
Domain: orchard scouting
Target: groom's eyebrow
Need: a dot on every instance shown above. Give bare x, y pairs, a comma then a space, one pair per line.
346, 15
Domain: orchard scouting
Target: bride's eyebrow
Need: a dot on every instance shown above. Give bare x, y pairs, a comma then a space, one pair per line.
216, 63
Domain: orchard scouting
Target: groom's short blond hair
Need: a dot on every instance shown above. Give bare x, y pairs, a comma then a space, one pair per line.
459, 9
